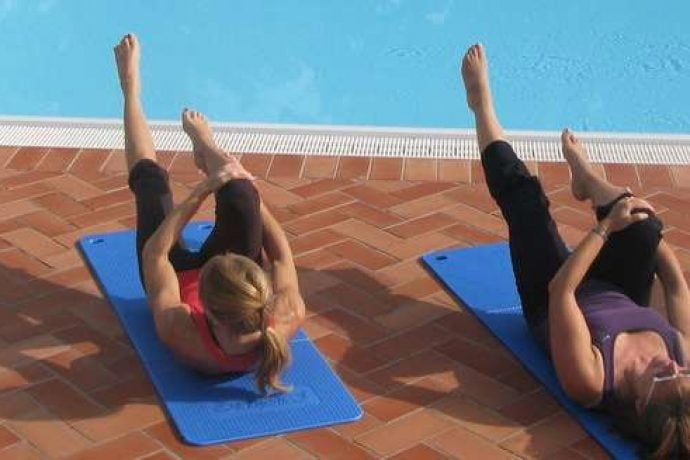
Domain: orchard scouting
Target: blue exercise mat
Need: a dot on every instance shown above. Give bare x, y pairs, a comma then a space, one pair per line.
482, 278
208, 410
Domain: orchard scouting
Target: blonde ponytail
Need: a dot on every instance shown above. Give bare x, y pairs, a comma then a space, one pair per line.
275, 356
236, 291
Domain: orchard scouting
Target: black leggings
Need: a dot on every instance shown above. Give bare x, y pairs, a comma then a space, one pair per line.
627, 259
238, 227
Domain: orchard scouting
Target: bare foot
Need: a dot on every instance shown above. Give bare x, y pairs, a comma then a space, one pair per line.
580, 169
127, 55
208, 157
475, 74
199, 131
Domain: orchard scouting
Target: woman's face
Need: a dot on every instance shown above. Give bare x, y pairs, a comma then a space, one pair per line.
662, 380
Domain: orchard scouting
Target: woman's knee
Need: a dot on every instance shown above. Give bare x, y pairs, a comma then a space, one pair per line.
502, 168
147, 176
636, 245
646, 233
238, 196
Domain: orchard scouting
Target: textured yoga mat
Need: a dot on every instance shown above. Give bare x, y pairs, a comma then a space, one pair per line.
214, 410
482, 278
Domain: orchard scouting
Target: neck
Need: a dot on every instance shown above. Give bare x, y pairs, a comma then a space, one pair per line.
236, 343
633, 358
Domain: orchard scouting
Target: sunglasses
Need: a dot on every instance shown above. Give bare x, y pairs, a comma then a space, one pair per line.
665, 376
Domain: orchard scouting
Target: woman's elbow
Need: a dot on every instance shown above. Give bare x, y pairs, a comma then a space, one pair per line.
151, 250
586, 395
301, 315
555, 287
164, 330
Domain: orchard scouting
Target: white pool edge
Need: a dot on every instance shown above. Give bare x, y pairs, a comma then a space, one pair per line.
329, 140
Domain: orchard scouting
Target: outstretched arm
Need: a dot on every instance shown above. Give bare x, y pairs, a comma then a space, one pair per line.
676, 292
576, 360
278, 251
285, 279
160, 280
168, 232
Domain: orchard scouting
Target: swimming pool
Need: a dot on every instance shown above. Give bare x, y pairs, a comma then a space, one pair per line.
599, 66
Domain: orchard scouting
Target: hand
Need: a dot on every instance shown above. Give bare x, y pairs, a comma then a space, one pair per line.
628, 211
222, 176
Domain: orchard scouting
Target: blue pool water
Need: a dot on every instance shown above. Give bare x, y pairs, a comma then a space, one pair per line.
614, 65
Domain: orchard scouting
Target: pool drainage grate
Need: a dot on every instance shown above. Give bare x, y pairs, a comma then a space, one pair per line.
346, 140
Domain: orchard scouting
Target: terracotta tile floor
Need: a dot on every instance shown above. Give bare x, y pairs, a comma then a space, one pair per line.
434, 383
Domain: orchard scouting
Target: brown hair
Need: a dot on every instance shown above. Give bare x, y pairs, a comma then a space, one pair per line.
238, 292
663, 429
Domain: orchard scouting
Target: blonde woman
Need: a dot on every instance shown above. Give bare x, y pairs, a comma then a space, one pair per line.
216, 309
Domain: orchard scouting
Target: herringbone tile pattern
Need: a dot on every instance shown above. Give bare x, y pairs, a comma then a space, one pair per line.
434, 383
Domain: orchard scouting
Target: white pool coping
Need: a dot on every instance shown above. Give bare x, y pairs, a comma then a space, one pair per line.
361, 141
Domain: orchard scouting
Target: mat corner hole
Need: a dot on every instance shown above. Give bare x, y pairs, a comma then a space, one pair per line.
441, 257
95, 241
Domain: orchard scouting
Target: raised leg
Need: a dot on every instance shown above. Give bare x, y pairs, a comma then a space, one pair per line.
585, 183
536, 248
147, 180
138, 140
628, 259
208, 157
475, 75
238, 227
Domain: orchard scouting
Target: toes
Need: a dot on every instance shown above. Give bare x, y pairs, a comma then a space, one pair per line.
568, 137
475, 51
127, 42
192, 115
467, 57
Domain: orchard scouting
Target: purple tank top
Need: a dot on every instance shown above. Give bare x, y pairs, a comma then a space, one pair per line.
608, 312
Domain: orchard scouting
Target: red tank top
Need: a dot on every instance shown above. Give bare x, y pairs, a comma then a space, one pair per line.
189, 292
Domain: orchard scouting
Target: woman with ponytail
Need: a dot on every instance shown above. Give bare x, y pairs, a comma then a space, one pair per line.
234, 305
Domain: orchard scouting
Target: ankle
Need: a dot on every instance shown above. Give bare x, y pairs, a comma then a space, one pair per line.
485, 111
214, 157
131, 96
603, 193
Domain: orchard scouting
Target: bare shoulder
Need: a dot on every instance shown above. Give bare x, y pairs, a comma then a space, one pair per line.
585, 384
182, 338
593, 386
